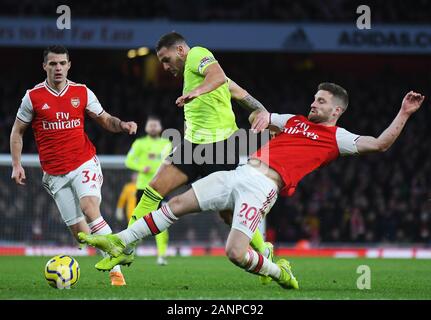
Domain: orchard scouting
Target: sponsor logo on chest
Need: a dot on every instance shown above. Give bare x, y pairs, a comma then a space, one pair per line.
62, 121
301, 128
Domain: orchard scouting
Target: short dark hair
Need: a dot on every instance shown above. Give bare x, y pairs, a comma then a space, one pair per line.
55, 49
169, 39
337, 91
154, 117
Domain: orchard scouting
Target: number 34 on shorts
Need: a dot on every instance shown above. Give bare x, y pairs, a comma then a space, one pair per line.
91, 176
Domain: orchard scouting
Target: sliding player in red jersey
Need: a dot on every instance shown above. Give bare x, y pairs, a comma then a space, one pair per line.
72, 174
304, 144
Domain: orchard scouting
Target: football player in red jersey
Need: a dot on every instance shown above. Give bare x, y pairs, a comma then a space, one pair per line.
303, 145
72, 174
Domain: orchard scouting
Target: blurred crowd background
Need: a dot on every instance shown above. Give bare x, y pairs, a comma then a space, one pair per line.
230, 10
381, 198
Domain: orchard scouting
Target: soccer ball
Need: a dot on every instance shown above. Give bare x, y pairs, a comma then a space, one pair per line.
62, 272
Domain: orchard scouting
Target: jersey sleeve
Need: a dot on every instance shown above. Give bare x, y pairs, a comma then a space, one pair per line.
346, 142
93, 104
279, 120
200, 59
25, 111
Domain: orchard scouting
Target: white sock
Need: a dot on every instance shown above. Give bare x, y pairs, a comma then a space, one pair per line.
254, 262
151, 224
99, 226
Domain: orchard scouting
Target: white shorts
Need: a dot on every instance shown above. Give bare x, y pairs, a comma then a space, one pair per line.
245, 190
68, 189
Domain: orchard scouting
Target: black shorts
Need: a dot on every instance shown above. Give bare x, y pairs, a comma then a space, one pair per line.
200, 160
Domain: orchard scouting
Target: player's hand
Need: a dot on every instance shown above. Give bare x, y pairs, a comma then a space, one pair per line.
18, 174
119, 214
260, 121
412, 102
186, 98
129, 127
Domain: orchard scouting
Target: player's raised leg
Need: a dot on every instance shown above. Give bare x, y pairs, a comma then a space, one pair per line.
151, 224
167, 179
214, 193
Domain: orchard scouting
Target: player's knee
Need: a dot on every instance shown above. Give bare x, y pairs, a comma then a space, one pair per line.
226, 216
235, 254
167, 178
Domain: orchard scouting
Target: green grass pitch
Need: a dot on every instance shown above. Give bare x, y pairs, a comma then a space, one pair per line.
217, 278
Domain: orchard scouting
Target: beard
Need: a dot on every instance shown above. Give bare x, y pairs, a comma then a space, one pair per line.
317, 118
314, 117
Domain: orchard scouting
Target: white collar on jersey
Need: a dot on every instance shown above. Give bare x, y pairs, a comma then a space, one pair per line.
55, 92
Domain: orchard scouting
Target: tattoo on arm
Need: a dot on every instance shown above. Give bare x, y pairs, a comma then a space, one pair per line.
251, 104
114, 124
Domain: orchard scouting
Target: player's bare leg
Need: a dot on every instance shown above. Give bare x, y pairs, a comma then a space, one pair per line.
236, 246
90, 206
167, 179
161, 219
257, 242
239, 252
151, 224
81, 226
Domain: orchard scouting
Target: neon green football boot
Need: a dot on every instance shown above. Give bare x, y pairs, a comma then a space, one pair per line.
287, 279
108, 263
269, 254
109, 243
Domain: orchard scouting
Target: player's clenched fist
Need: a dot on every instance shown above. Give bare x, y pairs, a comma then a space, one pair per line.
18, 175
129, 127
412, 102
260, 121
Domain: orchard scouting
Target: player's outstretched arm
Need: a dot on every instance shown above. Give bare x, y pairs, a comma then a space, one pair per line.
244, 99
114, 124
214, 78
411, 103
18, 129
259, 117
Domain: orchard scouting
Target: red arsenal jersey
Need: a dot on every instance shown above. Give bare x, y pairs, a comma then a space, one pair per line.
302, 147
58, 124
